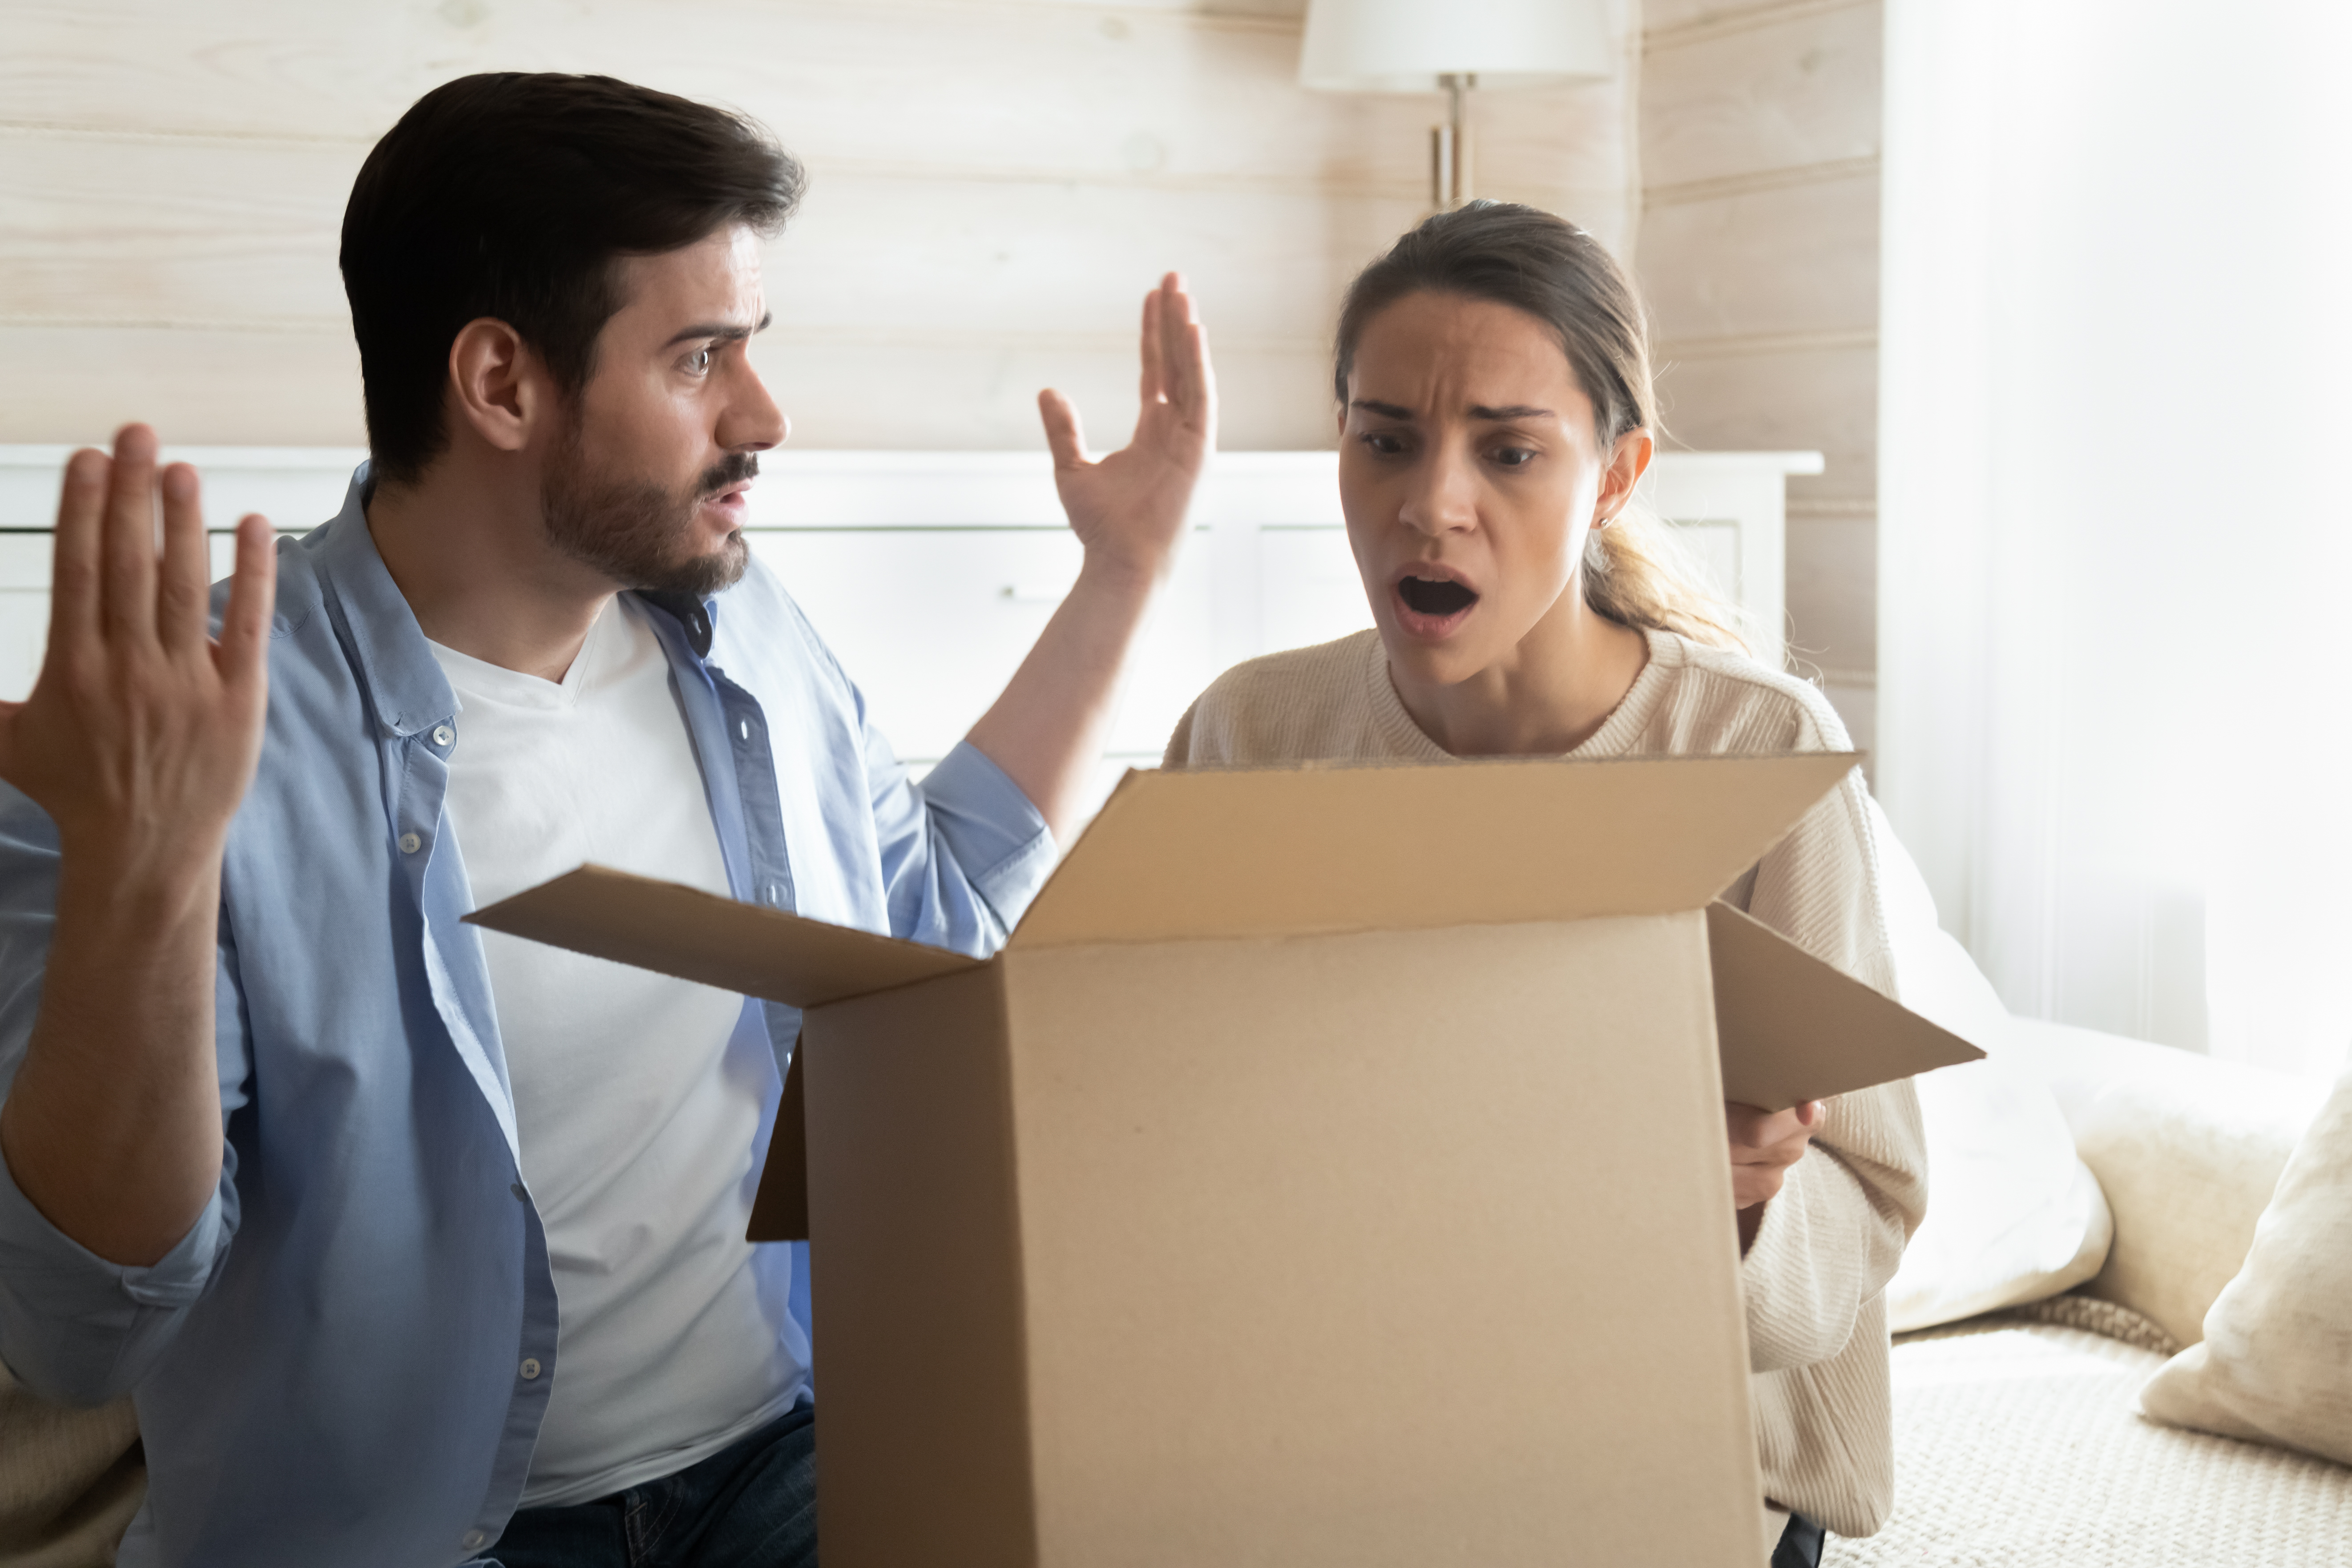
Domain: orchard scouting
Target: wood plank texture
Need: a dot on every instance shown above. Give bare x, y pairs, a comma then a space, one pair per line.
1800, 259
1758, 256
994, 184
1803, 91
1825, 399
1832, 566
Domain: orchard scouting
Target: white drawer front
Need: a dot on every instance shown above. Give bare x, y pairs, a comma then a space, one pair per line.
1310, 590
932, 622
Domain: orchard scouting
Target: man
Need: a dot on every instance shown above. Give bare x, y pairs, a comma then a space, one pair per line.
416, 1245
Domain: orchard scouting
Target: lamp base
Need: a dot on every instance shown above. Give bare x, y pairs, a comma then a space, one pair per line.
1449, 146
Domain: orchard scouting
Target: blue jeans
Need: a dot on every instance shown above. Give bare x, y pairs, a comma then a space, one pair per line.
750, 1505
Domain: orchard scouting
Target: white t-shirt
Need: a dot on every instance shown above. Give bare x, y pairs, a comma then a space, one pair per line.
637, 1098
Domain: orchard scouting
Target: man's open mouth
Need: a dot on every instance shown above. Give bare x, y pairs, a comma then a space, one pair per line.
1436, 596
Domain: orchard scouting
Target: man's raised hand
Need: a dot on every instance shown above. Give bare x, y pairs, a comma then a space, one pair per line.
142, 733
1129, 509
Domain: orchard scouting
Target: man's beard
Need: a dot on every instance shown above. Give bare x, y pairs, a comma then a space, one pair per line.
631, 530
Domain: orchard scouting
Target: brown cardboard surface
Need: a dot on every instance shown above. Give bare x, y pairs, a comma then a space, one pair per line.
915, 1259
780, 1208
1289, 851
698, 936
1793, 1028
1404, 1248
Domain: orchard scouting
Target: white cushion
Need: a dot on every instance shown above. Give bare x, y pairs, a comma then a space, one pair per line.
2188, 1149
2276, 1362
2013, 1215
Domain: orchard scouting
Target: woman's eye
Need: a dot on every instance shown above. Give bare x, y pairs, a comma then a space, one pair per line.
1514, 456
698, 361
1386, 444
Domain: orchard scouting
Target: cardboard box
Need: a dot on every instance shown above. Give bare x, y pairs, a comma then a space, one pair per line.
1329, 1171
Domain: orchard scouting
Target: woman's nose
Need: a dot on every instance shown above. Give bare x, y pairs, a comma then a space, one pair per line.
1441, 497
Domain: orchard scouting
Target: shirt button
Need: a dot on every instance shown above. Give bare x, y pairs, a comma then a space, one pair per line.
531, 1368
472, 1539
410, 844
443, 735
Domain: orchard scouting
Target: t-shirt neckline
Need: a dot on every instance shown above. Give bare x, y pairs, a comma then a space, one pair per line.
1405, 738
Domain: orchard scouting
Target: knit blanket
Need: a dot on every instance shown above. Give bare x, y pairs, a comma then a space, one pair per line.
2019, 1444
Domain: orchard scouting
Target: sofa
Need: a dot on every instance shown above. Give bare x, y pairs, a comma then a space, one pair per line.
2018, 1434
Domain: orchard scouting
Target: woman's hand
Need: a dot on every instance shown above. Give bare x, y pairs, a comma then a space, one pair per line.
1764, 1144
1129, 509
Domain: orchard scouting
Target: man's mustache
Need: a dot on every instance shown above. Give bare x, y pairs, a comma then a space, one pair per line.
733, 470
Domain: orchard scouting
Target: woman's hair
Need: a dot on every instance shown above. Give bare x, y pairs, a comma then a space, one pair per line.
1634, 570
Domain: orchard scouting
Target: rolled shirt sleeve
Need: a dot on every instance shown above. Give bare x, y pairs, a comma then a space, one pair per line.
963, 852
73, 1326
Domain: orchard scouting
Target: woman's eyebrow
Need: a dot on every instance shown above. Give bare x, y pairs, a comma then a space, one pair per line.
1385, 410
1516, 411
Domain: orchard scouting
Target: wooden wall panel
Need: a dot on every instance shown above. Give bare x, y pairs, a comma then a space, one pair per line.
1833, 571
994, 183
1740, 101
1795, 259
197, 386
1671, 19
1784, 398
1759, 253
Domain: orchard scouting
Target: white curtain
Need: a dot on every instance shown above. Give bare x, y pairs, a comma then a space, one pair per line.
2115, 490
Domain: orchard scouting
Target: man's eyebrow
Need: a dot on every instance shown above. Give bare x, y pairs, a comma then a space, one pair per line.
1385, 410
721, 331
1516, 411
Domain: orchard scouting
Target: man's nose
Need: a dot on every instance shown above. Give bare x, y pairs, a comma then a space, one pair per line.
752, 422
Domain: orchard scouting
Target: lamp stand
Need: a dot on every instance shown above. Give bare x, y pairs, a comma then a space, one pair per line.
1449, 145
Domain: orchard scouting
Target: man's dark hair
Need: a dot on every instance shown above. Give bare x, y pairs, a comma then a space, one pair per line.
516, 196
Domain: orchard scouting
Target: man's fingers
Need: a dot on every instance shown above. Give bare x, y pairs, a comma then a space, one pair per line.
252, 596
79, 549
1200, 401
183, 593
127, 574
1178, 373
1149, 382
1063, 432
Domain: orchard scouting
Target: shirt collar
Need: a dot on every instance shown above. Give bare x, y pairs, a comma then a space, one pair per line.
402, 676
698, 618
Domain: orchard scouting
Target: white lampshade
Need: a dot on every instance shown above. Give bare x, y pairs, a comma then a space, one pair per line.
1405, 45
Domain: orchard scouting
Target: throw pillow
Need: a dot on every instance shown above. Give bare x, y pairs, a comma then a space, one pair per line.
2276, 1362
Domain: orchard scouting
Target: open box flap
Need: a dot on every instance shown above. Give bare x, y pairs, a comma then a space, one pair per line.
1318, 848
698, 936
1791, 1028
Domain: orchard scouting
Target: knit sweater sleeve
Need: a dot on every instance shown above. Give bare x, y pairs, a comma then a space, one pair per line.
1831, 1241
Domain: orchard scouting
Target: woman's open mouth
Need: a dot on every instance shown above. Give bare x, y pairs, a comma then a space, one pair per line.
1432, 607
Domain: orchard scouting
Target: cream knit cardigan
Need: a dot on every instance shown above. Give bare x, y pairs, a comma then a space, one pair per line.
1816, 1278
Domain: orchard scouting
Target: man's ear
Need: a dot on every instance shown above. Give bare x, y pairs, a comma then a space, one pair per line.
1626, 466
498, 385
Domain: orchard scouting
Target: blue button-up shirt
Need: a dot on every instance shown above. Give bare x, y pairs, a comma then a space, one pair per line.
326, 1368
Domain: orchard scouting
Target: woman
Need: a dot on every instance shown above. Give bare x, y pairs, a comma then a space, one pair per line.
1495, 410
